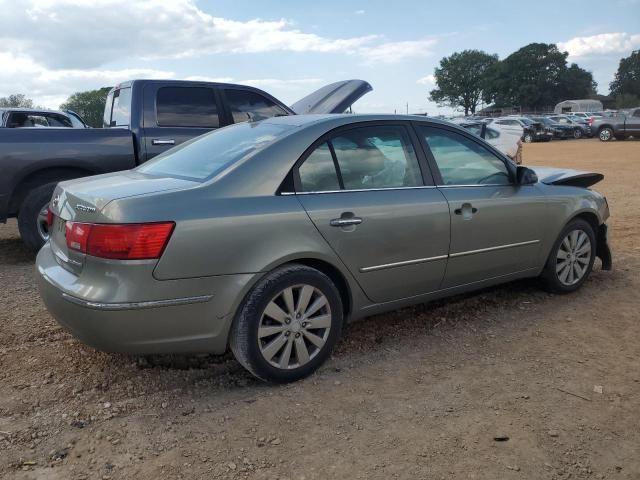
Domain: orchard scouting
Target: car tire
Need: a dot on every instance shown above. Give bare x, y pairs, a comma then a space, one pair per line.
605, 134
569, 263
290, 347
577, 133
32, 216
527, 138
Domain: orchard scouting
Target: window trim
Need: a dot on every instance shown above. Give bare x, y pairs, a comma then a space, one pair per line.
425, 171
439, 182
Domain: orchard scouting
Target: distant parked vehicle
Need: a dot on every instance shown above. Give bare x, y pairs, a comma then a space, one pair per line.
506, 140
531, 131
142, 119
623, 125
559, 130
38, 118
580, 128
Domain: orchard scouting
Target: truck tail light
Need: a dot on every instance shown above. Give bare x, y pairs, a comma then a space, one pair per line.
129, 241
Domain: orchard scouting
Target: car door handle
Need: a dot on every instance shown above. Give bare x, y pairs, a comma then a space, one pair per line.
466, 210
162, 141
345, 221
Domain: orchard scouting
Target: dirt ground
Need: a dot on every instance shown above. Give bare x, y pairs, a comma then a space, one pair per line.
421, 393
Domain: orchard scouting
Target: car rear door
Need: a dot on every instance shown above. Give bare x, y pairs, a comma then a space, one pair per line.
175, 113
367, 194
496, 225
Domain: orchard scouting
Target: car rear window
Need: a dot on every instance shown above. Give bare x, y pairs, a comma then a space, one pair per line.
202, 157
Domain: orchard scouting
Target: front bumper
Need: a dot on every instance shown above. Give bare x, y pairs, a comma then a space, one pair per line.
195, 318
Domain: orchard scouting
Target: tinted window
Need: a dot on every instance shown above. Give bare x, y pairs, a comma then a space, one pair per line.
121, 108
55, 120
106, 117
636, 113
246, 105
376, 157
318, 172
462, 161
204, 156
187, 107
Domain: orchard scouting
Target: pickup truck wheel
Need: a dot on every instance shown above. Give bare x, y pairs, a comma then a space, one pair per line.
605, 134
32, 219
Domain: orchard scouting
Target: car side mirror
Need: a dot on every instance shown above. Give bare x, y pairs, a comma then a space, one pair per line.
525, 176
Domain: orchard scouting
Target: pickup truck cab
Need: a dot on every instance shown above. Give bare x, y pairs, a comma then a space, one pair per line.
623, 125
142, 118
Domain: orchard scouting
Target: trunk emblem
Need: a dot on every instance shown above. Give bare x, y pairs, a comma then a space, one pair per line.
85, 208
55, 201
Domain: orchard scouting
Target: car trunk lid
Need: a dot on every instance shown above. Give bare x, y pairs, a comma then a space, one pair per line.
83, 200
333, 98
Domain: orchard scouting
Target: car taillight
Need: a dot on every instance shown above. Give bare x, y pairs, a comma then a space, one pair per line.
133, 241
590, 120
49, 217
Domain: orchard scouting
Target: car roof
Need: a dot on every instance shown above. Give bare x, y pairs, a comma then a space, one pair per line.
341, 119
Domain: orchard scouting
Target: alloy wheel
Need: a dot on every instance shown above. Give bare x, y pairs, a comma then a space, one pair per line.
605, 135
294, 326
42, 223
573, 257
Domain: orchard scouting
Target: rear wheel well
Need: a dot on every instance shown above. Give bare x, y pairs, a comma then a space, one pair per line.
336, 277
39, 178
602, 127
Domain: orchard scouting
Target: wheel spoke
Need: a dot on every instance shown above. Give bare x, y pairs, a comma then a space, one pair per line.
275, 312
564, 272
288, 301
583, 260
286, 354
274, 346
303, 300
573, 238
316, 305
562, 254
578, 271
584, 250
267, 331
561, 266
321, 321
565, 244
570, 275
582, 237
315, 339
301, 351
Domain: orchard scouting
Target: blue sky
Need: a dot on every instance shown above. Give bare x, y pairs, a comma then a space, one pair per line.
290, 48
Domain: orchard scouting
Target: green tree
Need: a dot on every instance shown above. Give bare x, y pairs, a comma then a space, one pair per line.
460, 79
537, 76
89, 105
627, 79
16, 100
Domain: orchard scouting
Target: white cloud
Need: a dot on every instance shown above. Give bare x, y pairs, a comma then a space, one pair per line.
429, 81
601, 44
394, 52
359, 12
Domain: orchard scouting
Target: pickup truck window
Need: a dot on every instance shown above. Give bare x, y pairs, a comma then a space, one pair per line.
245, 104
121, 108
187, 107
202, 157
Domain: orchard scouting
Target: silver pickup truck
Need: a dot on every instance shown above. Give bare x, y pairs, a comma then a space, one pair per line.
625, 124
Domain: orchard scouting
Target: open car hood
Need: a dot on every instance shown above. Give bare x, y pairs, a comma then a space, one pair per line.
333, 98
573, 178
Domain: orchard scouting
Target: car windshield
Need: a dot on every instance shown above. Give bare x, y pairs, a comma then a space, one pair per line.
202, 157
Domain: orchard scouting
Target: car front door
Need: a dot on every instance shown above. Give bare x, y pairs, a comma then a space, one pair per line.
496, 225
366, 193
177, 113
632, 124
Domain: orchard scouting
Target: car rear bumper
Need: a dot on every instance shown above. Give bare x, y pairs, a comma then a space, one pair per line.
182, 323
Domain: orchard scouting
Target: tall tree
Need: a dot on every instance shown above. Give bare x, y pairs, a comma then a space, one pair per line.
89, 105
627, 79
16, 100
460, 79
537, 76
